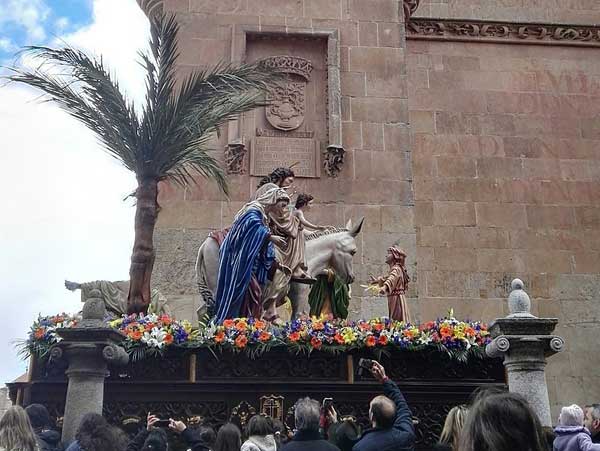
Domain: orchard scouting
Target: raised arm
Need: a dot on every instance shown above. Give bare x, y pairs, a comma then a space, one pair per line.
403, 422
306, 223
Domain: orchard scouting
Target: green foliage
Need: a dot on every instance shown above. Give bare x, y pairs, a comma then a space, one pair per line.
168, 139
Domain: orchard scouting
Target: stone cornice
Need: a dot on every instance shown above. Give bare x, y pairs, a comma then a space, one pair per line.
503, 32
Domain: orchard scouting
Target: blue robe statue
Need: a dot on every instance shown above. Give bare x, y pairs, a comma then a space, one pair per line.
245, 258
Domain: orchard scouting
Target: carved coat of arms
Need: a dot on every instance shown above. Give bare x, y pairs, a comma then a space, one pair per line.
287, 100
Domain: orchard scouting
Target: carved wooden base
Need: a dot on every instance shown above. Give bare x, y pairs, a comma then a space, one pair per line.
234, 387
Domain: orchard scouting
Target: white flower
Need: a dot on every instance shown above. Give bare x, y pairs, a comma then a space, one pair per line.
155, 338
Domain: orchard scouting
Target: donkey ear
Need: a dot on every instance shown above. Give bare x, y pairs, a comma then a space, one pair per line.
356, 230
349, 224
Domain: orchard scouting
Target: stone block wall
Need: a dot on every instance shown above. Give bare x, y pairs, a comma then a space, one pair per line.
506, 166
552, 11
376, 179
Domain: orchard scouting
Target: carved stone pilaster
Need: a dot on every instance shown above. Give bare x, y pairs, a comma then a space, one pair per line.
235, 154
333, 160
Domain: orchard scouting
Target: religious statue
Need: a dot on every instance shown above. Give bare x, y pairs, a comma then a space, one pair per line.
303, 203
114, 295
330, 295
395, 284
247, 256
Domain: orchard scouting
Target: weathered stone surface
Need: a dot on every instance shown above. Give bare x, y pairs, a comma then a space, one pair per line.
493, 172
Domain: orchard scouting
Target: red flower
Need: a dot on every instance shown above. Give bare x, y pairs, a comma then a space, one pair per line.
315, 342
378, 327
220, 337
241, 326
294, 336
339, 339
259, 324
228, 323
39, 333
241, 341
365, 326
318, 325
383, 340
135, 335
165, 319
371, 341
264, 336
168, 339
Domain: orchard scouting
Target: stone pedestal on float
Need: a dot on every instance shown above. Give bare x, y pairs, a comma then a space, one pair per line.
525, 342
88, 348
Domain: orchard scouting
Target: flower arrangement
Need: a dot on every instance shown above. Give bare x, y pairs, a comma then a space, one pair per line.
151, 334
42, 334
148, 335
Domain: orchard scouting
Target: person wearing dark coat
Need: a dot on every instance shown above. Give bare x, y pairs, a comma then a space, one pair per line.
48, 438
307, 414
155, 439
390, 417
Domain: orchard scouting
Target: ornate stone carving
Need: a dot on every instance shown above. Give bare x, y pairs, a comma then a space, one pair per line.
282, 134
334, 160
410, 6
290, 65
286, 107
272, 405
510, 32
287, 100
234, 157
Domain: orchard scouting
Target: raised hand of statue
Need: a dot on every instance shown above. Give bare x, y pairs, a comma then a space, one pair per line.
72, 286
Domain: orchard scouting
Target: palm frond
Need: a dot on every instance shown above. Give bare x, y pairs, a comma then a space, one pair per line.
88, 93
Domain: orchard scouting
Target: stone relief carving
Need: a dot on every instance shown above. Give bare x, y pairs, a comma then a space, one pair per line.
410, 6
286, 105
287, 100
234, 157
272, 405
479, 30
333, 160
290, 65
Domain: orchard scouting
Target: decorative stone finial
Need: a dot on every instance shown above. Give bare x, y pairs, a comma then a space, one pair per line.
93, 311
519, 304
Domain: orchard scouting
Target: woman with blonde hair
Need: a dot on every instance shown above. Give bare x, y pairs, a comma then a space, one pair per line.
453, 425
16, 432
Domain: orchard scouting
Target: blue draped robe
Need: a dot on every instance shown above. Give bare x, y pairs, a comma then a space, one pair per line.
246, 252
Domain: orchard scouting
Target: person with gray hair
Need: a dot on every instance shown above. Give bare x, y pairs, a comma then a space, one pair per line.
571, 434
592, 421
307, 413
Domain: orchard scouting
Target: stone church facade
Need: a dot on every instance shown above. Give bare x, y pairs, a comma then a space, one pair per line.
470, 132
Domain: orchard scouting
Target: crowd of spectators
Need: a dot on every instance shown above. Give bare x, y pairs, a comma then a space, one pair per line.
494, 420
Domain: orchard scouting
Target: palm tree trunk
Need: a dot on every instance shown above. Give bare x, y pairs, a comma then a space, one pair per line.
142, 258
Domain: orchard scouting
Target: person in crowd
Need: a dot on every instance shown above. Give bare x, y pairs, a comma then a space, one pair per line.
95, 434
549, 436
571, 434
453, 425
501, 422
345, 433
592, 421
280, 432
207, 434
16, 432
229, 438
259, 431
390, 416
307, 413
48, 438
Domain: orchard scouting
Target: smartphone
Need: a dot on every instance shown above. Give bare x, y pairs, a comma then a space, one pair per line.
162, 423
367, 364
327, 403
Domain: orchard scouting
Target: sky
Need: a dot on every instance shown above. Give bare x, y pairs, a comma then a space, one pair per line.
63, 214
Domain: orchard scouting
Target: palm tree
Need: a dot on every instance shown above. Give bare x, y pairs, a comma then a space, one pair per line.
167, 139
